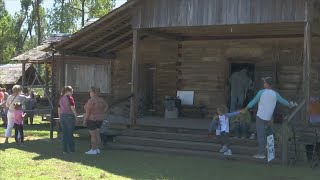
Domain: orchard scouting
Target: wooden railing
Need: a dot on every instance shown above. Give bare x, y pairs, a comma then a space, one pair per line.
299, 110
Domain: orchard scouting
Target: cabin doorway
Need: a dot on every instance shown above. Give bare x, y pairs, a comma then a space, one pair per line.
147, 88
242, 76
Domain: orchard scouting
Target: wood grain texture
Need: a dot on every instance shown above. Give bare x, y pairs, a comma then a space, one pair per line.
171, 13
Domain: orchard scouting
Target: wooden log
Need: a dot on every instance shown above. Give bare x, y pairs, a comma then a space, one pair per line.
134, 77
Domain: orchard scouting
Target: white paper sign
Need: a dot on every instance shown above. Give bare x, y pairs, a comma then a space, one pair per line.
186, 97
270, 147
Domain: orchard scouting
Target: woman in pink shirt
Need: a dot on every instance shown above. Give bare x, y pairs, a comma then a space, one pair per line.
95, 111
67, 115
18, 123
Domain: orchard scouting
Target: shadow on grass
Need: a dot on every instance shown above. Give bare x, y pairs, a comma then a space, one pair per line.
141, 165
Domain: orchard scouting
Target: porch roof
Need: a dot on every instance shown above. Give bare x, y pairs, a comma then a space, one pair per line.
238, 31
106, 35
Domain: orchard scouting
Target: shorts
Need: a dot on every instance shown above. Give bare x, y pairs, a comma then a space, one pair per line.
93, 125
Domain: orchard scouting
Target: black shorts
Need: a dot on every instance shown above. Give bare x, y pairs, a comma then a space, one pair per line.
93, 125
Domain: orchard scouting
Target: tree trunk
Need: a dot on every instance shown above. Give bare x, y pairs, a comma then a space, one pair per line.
82, 12
61, 29
38, 21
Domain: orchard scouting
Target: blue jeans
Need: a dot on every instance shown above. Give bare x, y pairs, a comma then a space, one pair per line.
242, 129
67, 123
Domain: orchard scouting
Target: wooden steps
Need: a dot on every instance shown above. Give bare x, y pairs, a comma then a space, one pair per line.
185, 144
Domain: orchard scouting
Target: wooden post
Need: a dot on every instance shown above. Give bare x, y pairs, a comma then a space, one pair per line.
23, 83
62, 68
53, 94
134, 78
307, 60
46, 77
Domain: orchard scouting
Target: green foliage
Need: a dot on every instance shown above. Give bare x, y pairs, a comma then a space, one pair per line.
20, 32
7, 40
63, 16
98, 8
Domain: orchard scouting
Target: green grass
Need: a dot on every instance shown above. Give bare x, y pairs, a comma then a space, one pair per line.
42, 159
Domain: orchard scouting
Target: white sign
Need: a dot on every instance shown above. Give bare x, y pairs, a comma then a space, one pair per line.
270, 148
186, 97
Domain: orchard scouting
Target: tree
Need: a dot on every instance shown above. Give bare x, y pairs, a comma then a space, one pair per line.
99, 8
63, 16
95, 8
7, 40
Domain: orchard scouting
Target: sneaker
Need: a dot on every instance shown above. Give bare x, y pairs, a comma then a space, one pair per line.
223, 149
259, 156
98, 151
92, 152
228, 153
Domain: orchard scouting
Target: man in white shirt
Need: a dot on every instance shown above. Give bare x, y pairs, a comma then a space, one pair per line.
267, 100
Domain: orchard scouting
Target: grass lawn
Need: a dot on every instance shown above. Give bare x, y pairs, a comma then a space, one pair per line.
42, 159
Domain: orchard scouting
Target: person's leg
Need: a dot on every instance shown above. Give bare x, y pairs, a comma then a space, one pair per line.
237, 129
98, 137
261, 136
226, 142
71, 137
93, 139
10, 125
16, 131
244, 128
31, 118
21, 133
64, 126
233, 102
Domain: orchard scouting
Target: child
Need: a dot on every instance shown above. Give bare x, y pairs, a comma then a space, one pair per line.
18, 123
242, 125
224, 129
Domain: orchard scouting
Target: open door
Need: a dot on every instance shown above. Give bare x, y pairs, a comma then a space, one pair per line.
147, 88
249, 72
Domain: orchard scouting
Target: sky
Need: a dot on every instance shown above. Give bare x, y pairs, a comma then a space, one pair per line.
14, 5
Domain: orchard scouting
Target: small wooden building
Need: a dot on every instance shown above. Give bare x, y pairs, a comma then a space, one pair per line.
11, 74
153, 49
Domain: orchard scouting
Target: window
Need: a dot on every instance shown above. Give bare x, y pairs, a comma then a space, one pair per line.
82, 76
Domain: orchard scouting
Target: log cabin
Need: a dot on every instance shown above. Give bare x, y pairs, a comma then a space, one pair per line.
156, 48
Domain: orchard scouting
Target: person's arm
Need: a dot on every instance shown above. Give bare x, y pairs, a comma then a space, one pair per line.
73, 109
88, 109
281, 100
73, 106
59, 112
232, 114
255, 100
